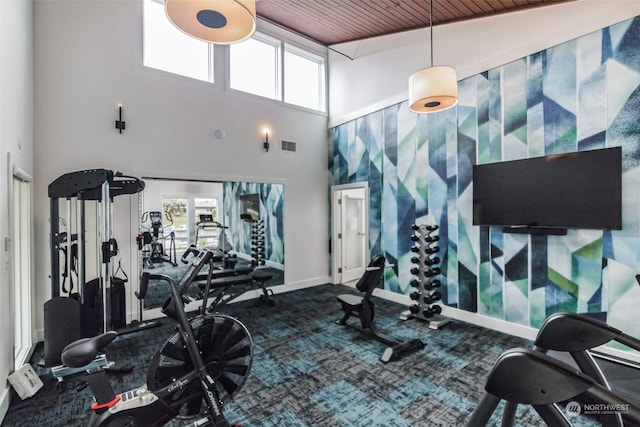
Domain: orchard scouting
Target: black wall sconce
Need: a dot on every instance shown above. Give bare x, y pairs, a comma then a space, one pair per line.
120, 124
265, 144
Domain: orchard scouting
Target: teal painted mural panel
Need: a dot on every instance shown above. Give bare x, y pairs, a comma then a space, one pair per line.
514, 92
579, 95
495, 115
271, 198
560, 98
516, 278
535, 110
591, 81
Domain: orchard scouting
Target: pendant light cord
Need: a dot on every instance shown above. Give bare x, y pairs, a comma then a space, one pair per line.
431, 28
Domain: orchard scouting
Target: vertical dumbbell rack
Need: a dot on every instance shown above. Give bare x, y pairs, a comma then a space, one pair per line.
425, 282
257, 242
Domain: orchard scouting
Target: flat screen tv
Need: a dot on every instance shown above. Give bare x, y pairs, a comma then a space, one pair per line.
573, 190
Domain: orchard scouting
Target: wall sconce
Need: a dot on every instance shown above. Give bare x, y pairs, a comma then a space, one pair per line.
265, 144
120, 124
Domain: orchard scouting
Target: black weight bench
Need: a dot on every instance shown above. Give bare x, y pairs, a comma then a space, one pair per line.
261, 277
227, 285
363, 308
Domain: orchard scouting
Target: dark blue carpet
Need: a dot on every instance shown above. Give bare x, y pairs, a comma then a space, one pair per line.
309, 371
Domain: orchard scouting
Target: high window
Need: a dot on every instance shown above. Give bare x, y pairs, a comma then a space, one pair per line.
169, 49
262, 65
255, 66
304, 79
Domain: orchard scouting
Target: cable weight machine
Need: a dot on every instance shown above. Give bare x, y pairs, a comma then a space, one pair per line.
89, 310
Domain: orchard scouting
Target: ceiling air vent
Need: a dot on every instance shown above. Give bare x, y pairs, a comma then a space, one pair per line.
288, 146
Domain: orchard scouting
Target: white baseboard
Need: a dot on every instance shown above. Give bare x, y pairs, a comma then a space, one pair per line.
499, 325
465, 316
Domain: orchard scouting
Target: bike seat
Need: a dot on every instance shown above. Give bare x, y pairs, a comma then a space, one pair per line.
82, 352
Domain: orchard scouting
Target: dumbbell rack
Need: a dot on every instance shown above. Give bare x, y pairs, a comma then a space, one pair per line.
257, 243
426, 271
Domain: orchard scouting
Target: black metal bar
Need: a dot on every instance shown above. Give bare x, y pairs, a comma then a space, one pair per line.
54, 215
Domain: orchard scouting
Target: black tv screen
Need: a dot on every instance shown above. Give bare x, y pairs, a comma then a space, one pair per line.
573, 190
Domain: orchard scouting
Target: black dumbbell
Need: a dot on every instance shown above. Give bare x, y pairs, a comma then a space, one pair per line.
428, 312
431, 239
433, 297
415, 249
414, 309
432, 261
415, 283
414, 296
432, 284
430, 299
415, 260
432, 272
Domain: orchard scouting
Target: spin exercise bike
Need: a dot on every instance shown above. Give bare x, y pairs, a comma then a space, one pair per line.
205, 360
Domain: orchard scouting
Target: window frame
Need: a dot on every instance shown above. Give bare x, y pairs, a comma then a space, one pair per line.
320, 61
279, 72
212, 75
219, 71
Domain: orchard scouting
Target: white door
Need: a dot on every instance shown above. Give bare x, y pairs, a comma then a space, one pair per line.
350, 232
21, 278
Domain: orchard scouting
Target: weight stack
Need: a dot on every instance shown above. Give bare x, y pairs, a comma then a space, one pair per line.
257, 243
62, 326
426, 282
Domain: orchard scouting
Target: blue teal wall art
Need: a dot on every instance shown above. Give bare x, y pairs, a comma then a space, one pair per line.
583, 94
271, 198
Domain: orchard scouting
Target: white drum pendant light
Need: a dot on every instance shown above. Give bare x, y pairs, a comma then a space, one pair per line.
434, 88
214, 21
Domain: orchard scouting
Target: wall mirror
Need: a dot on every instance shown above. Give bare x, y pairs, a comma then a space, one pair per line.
175, 214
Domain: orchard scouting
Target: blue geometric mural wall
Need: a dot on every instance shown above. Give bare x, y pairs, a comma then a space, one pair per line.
271, 213
580, 95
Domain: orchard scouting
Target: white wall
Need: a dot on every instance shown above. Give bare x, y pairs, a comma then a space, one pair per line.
88, 59
378, 74
16, 142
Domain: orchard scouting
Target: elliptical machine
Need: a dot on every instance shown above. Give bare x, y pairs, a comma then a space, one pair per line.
152, 240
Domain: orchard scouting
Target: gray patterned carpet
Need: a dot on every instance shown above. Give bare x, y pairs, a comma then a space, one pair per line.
309, 371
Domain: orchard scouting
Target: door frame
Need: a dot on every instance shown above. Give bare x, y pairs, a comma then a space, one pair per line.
336, 250
16, 172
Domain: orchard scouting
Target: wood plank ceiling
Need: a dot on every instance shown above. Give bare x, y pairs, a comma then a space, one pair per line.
336, 21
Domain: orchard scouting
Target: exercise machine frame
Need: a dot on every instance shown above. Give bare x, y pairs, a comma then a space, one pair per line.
363, 308
142, 406
76, 188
